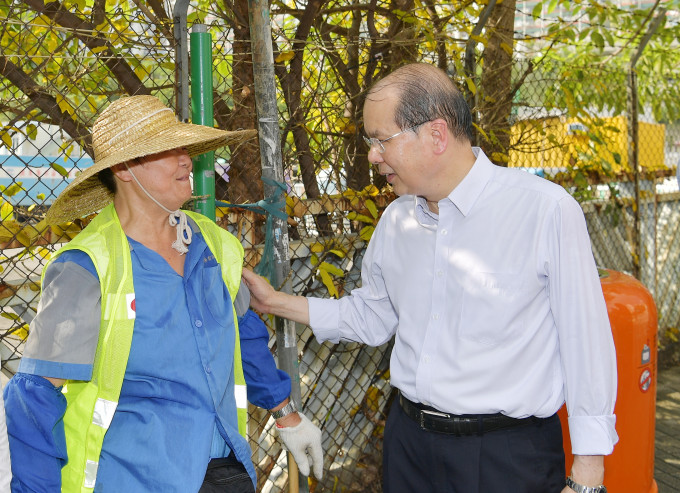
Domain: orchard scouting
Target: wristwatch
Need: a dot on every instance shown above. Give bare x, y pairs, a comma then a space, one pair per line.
286, 410
579, 488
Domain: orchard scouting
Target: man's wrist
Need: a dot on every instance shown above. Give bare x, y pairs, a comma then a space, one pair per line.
580, 488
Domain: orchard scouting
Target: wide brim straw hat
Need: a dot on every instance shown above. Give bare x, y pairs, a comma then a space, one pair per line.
129, 128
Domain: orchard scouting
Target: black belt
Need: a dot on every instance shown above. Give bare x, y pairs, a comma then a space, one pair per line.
466, 424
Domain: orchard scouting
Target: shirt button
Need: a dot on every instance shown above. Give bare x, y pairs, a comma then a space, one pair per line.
444, 232
440, 273
435, 316
207, 369
198, 323
426, 359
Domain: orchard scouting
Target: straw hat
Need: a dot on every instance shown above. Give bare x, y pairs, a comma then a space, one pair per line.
129, 128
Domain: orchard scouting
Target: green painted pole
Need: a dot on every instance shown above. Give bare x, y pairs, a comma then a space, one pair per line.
202, 114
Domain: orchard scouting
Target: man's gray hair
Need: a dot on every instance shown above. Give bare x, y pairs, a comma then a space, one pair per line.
425, 94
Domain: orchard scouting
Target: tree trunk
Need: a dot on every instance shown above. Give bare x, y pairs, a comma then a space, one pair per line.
495, 103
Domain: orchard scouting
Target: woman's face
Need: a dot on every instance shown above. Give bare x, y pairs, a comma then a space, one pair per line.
166, 176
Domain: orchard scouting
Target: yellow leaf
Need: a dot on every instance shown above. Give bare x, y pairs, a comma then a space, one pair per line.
21, 332
7, 140
328, 282
6, 211
285, 56
364, 219
339, 253
479, 39
64, 105
331, 269
13, 189
366, 233
314, 260
371, 190
317, 247
471, 85
506, 48
370, 205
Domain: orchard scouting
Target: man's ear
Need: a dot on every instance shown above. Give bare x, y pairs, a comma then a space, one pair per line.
439, 130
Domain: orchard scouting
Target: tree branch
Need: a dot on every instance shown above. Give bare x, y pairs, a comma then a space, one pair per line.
47, 103
85, 32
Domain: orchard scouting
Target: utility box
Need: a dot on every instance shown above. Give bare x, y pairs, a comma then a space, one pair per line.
632, 313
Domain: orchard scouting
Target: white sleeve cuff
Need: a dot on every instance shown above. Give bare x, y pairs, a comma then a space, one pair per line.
324, 318
593, 435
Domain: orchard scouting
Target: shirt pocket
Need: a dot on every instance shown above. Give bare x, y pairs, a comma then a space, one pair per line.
216, 296
492, 307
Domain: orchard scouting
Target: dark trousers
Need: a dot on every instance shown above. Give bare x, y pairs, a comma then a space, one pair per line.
523, 459
226, 475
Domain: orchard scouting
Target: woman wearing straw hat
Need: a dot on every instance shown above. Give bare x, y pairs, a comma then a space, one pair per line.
134, 374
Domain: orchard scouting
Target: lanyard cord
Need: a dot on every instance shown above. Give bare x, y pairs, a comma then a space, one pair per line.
177, 219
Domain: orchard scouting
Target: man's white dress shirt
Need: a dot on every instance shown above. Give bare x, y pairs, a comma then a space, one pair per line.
495, 304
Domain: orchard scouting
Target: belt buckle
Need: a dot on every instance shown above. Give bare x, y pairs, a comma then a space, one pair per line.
423, 412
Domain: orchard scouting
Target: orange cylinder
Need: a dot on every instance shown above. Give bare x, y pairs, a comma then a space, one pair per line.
632, 314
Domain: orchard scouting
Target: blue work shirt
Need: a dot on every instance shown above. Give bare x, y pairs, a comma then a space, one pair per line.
177, 407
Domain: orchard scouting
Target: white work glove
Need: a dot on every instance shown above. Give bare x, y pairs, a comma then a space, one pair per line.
304, 442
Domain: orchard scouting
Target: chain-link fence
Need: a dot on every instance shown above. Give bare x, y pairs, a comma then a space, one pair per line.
60, 66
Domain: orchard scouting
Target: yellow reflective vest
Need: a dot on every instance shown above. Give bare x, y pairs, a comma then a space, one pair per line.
91, 405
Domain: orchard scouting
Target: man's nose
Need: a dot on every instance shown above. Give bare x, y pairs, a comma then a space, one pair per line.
374, 155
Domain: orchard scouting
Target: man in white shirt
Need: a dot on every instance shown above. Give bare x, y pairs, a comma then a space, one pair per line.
485, 277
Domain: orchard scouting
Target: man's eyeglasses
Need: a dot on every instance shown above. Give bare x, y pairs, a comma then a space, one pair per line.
372, 141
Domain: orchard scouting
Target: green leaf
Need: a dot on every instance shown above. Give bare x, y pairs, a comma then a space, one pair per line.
59, 169
597, 39
538, 10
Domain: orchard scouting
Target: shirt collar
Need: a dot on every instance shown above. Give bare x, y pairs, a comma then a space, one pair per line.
465, 195
148, 259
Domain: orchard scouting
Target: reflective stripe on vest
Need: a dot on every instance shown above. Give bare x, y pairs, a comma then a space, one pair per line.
92, 405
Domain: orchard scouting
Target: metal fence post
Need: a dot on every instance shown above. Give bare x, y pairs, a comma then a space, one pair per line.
179, 17
202, 114
272, 168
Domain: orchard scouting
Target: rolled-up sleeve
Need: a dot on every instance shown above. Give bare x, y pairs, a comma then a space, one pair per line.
586, 343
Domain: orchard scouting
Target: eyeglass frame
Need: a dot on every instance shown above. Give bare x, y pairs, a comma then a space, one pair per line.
372, 141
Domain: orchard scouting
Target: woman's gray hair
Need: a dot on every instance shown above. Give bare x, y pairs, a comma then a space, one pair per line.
425, 94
